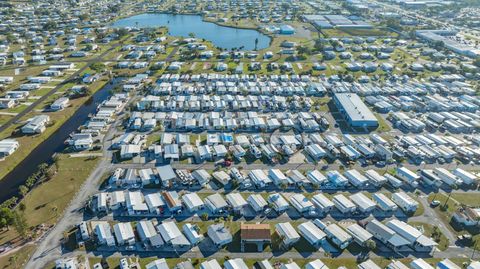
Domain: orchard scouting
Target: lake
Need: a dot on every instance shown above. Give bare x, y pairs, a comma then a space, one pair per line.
181, 25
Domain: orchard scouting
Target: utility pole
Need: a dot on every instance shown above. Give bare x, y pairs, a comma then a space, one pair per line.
448, 198
474, 248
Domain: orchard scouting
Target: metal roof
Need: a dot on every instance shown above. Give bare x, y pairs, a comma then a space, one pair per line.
355, 107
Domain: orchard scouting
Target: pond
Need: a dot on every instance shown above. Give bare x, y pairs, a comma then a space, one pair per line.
182, 25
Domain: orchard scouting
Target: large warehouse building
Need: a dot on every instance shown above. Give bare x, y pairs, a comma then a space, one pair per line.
354, 110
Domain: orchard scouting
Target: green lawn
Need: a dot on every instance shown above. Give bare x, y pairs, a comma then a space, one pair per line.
350, 263
448, 206
470, 199
46, 203
17, 259
152, 139
383, 125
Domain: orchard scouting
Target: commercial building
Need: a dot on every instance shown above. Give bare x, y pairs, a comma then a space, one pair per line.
444, 36
354, 110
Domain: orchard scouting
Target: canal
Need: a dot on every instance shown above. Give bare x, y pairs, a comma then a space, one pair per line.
44, 152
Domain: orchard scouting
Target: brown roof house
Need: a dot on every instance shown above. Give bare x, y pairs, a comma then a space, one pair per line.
258, 234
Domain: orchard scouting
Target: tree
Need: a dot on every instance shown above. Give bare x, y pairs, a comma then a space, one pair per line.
6, 217
394, 24
476, 62
84, 17
50, 25
121, 32
319, 45
99, 67
438, 45
371, 245
256, 43
303, 50
30, 181
23, 190
204, 216
20, 224
55, 210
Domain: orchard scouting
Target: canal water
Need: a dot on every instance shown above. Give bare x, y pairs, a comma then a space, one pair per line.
182, 25
44, 152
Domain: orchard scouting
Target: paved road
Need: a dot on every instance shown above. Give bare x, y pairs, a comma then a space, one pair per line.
287, 166
431, 216
50, 248
172, 53
452, 252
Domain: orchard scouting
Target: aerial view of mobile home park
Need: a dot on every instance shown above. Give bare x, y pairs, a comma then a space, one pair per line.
240, 134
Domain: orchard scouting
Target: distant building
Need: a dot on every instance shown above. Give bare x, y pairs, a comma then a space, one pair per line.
434, 36
287, 30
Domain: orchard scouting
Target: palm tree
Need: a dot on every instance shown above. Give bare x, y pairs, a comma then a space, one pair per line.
55, 210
